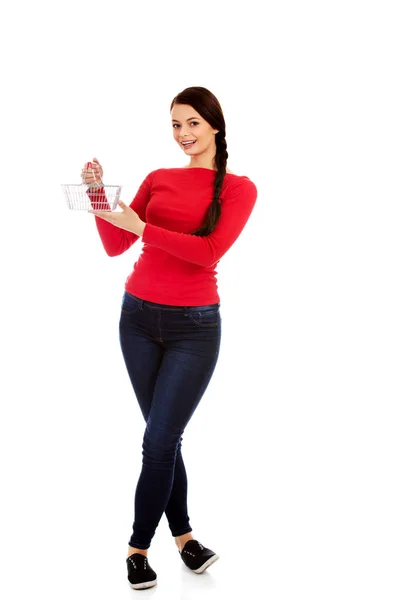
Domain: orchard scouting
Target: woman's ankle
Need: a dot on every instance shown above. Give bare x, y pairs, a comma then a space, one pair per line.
181, 540
132, 550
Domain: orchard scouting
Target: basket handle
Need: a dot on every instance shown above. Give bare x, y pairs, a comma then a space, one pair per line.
95, 184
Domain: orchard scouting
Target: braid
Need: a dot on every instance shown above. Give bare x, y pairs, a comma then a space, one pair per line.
214, 211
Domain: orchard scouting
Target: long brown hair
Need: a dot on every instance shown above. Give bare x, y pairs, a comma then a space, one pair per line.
207, 105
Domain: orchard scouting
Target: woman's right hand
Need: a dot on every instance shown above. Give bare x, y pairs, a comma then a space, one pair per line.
92, 173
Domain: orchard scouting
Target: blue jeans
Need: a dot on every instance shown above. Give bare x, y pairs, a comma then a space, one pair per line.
170, 353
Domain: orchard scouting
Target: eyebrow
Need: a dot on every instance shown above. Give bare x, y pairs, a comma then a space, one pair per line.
190, 118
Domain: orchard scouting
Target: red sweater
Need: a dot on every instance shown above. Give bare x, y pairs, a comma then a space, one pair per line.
175, 267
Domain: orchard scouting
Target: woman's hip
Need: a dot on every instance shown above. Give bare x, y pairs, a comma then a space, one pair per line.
201, 322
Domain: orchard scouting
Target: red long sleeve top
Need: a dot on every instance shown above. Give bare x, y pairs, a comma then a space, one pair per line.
176, 267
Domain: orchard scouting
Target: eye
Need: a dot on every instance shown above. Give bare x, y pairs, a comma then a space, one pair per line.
192, 123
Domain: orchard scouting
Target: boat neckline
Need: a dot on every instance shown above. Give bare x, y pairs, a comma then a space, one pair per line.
200, 168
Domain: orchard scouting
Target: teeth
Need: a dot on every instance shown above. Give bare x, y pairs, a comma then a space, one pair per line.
187, 143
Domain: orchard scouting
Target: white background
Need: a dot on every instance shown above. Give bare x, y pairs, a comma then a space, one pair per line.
293, 453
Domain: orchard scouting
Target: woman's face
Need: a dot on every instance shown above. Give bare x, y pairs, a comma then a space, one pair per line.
188, 125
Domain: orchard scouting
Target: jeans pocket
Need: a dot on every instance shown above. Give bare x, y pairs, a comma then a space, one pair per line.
205, 317
130, 304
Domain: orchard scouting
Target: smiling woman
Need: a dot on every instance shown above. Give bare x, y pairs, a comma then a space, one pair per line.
190, 130
170, 321
197, 133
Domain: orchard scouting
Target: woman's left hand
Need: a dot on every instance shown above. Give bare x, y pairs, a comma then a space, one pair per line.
127, 219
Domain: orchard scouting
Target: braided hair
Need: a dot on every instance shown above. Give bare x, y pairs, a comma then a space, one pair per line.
207, 105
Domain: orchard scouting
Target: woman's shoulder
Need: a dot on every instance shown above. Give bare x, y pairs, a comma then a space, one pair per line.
237, 174
239, 185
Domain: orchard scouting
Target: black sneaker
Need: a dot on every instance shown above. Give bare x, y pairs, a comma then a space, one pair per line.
140, 573
197, 557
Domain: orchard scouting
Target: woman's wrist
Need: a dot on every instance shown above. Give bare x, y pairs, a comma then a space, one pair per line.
140, 228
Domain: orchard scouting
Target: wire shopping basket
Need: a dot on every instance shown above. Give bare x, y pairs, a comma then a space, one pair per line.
85, 196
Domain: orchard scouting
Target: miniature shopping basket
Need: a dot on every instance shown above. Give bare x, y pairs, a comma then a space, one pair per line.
85, 196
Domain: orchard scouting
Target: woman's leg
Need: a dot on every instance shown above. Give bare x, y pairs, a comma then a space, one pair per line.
143, 355
180, 385
144, 348
191, 351
176, 510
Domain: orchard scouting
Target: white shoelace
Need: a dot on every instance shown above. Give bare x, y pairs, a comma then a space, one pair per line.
134, 563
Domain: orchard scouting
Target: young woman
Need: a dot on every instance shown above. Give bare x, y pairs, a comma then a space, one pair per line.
170, 323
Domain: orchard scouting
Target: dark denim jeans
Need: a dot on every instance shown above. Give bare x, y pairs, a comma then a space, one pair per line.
170, 353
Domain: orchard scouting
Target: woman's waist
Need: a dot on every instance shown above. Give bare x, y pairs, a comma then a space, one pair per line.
173, 307
173, 295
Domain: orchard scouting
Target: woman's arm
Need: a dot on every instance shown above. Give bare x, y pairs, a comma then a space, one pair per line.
236, 209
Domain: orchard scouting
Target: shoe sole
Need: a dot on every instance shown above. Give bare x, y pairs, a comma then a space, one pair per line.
207, 564
144, 585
